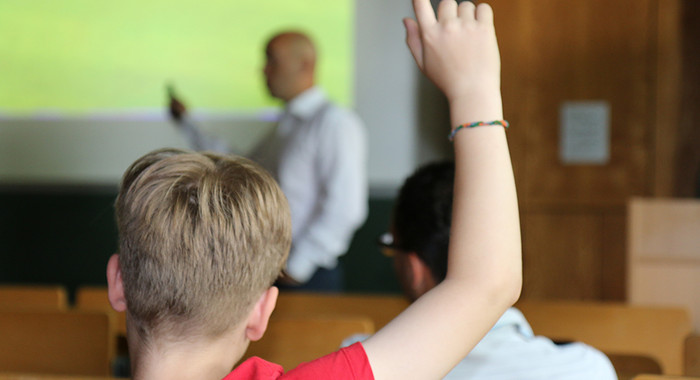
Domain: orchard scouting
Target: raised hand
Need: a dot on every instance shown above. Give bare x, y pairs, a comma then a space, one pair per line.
457, 48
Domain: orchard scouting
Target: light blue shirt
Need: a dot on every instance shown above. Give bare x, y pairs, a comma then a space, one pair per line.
511, 351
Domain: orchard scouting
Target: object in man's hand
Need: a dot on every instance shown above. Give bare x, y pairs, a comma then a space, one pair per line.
176, 107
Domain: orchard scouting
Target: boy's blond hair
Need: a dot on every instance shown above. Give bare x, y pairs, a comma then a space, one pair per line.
201, 236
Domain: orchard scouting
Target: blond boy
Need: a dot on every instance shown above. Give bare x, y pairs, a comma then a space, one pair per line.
202, 238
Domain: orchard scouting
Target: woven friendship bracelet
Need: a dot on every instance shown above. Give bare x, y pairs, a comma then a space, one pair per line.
502, 123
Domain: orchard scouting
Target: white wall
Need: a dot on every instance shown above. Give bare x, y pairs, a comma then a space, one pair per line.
385, 90
84, 151
94, 152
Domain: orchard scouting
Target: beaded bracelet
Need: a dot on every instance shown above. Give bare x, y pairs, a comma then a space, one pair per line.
502, 123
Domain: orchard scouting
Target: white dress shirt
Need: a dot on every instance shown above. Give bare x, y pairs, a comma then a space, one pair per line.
318, 155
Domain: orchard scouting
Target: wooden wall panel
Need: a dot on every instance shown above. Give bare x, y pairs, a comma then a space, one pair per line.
574, 255
669, 71
687, 171
614, 263
677, 136
513, 30
562, 256
580, 53
573, 217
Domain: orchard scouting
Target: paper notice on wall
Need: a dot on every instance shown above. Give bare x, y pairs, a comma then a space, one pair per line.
585, 133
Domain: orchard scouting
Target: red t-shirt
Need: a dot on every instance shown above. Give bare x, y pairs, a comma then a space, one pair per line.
349, 363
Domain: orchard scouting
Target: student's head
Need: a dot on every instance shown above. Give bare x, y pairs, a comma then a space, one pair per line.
201, 238
290, 65
421, 228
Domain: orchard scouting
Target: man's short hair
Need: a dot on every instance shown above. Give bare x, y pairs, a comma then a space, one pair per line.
201, 236
423, 215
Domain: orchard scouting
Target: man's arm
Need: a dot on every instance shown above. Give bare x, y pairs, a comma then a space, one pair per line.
342, 204
458, 52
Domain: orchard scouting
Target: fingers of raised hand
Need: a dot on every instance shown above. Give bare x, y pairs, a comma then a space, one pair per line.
424, 12
484, 14
466, 11
447, 11
413, 40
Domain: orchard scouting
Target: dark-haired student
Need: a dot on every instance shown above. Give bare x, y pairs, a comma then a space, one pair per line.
419, 243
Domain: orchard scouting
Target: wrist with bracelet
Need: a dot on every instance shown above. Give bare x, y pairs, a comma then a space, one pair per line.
502, 123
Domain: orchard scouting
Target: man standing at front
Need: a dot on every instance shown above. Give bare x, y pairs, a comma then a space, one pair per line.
317, 153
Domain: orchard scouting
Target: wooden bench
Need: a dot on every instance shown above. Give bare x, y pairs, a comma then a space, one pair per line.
95, 298
290, 341
658, 333
33, 297
381, 309
26, 376
55, 342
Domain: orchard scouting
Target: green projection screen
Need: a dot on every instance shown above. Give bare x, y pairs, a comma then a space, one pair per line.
93, 57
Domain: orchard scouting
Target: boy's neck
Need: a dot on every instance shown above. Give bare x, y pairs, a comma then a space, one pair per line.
188, 359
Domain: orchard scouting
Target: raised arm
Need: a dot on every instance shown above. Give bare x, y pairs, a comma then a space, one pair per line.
458, 51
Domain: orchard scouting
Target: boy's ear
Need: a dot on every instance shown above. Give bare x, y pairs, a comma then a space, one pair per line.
260, 315
420, 276
115, 286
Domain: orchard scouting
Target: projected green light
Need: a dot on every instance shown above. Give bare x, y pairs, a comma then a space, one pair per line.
87, 56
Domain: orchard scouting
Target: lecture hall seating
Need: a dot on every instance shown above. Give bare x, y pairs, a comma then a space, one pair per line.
658, 333
55, 342
291, 340
381, 309
48, 297
95, 298
25, 376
